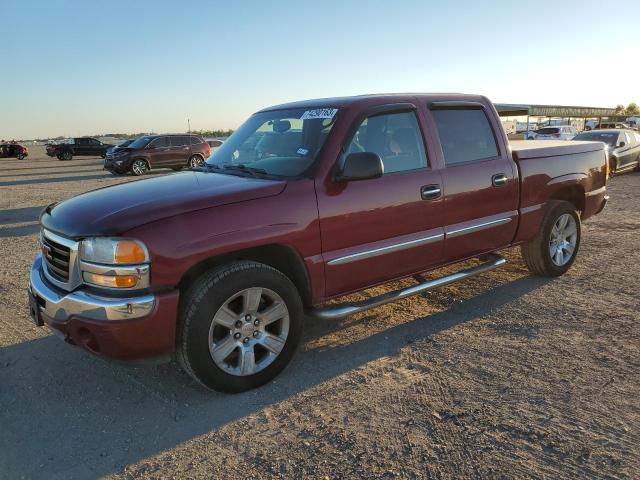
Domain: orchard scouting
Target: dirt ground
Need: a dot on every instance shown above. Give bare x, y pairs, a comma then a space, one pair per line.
504, 375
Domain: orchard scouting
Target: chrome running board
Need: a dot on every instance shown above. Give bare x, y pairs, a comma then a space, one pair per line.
342, 311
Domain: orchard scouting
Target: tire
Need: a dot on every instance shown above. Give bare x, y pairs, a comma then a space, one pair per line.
222, 295
66, 156
139, 167
537, 253
20, 156
195, 161
613, 167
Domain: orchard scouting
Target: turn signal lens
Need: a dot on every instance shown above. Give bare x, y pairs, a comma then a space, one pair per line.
112, 281
129, 251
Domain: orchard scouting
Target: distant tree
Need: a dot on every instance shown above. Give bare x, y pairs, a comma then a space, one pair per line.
632, 109
620, 110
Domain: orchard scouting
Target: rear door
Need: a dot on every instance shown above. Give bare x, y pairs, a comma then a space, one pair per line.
479, 178
379, 229
82, 146
180, 151
628, 154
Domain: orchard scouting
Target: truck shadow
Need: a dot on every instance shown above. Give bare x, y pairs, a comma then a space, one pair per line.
67, 414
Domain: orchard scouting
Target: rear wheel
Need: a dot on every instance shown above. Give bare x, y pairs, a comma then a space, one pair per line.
195, 161
20, 156
240, 325
139, 167
553, 250
66, 155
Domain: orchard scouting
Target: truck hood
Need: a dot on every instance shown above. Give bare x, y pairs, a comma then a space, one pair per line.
119, 208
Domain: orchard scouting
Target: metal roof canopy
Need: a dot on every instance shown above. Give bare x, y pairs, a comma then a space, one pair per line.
515, 110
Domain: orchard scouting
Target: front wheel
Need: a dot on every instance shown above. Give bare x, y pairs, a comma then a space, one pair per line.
553, 250
195, 161
139, 167
240, 325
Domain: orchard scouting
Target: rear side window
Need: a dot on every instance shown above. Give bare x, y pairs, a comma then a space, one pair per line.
465, 135
179, 141
196, 140
395, 137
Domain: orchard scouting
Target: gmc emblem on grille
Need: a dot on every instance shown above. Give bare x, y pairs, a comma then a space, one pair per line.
46, 251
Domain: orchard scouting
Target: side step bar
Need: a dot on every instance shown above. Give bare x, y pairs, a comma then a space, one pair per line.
329, 313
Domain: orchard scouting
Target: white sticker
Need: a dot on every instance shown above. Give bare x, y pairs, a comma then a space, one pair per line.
319, 113
302, 151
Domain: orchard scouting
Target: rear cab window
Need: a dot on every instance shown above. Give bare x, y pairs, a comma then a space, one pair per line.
465, 135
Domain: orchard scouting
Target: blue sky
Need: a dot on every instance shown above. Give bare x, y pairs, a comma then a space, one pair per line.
80, 67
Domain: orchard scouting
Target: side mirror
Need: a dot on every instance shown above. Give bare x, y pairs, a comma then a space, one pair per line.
621, 144
361, 166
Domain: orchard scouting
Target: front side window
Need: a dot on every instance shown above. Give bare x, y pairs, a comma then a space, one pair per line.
283, 143
395, 137
159, 142
465, 135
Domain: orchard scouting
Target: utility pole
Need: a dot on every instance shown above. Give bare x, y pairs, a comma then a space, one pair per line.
188, 125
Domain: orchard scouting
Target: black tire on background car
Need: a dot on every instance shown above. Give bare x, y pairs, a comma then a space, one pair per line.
195, 161
553, 250
66, 155
20, 156
239, 326
139, 167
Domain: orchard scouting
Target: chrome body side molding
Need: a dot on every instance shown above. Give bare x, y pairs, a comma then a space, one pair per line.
476, 228
382, 250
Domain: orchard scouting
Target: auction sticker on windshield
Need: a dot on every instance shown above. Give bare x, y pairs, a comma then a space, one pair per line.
319, 113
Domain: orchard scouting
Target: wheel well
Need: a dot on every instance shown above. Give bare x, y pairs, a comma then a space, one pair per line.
574, 195
280, 257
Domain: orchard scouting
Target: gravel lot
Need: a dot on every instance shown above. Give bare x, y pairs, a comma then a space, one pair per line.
503, 375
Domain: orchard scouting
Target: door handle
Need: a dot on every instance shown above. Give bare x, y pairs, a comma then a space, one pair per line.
430, 192
499, 179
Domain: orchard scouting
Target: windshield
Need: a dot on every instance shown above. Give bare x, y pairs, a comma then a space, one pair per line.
548, 131
606, 137
141, 142
280, 142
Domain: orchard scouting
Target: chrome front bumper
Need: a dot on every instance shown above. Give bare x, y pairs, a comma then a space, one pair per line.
60, 306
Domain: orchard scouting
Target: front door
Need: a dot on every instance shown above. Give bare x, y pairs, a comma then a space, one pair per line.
480, 181
379, 229
160, 152
179, 151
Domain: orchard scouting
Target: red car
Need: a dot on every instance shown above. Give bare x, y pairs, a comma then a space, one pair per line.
13, 150
304, 203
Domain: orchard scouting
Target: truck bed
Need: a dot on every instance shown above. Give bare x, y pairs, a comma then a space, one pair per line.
524, 149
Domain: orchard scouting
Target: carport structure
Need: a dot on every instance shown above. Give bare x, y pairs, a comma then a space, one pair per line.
553, 111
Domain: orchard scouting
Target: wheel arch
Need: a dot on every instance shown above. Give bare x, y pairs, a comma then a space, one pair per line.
573, 194
281, 257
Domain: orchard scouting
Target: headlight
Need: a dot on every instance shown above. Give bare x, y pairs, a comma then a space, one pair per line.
113, 251
114, 263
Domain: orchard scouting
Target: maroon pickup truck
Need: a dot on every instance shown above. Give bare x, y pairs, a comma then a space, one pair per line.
304, 203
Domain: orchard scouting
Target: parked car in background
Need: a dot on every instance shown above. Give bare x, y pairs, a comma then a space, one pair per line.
565, 132
610, 125
76, 147
158, 151
305, 202
623, 147
214, 143
13, 150
633, 122
126, 143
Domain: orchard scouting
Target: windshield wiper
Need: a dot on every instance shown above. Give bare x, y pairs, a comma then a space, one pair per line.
255, 172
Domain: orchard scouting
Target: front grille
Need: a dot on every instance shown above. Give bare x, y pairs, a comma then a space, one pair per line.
57, 257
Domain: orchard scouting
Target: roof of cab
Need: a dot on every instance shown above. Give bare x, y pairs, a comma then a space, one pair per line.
339, 102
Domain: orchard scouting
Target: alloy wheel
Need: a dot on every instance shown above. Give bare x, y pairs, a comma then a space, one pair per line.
249, 331
564, 236
195, 161
139, 167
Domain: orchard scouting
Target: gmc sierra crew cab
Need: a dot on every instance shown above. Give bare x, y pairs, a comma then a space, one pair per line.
304, 203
